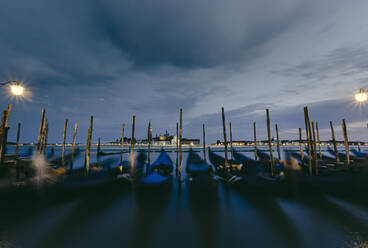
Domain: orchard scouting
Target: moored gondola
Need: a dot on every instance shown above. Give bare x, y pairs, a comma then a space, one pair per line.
159, 172
199, 171
233, 167
295, 178
55, 180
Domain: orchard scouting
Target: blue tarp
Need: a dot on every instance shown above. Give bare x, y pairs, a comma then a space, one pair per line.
359, 154
154, 178
163, 160
198, 167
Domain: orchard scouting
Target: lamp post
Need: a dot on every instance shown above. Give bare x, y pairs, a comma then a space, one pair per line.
361, 96
14, 86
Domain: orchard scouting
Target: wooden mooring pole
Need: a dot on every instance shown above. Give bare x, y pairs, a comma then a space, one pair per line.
177, 147
231, 143
272, 161
45, 138
301, 144
88, 146
204, 143
180, 137
43, 135
149, 131
98, 147
132, 162
18, 138
3, 136
73, 146
64, 137
8, 114
308, 132
319, 141
315, 151
122, 147
346, 140
334, 142
40, 130
278, 142
255, 141
226, 165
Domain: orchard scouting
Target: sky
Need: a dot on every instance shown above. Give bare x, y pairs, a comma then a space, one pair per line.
114, 59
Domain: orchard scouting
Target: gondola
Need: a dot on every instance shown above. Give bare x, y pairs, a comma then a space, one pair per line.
359, 154
198, 170
342, 156
263, 156
265, 159
326, 164
329, 164
159, 172
125, 167
27, 154
50, 153
57, 181
234, 167
163, 164
250, 165
297, 179
255, 174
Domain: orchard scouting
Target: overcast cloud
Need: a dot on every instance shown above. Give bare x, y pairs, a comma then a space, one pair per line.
113, 59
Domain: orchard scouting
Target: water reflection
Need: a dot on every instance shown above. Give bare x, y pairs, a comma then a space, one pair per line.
204, 205
281, 225
80, 217
151, 204
195, 216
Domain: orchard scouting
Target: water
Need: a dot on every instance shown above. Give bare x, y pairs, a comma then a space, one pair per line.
223, 217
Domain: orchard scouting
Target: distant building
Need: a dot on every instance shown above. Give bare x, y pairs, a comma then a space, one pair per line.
191, 142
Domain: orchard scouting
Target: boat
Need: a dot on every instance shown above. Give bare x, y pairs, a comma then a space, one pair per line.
124, 167
196, 165
55, 180
198, 170
27, 154
250, 165
235, 167
359, 154
342, 156
159, 172
50, 153
163, 164
295, 178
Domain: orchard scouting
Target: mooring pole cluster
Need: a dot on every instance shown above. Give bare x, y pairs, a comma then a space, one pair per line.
313, 142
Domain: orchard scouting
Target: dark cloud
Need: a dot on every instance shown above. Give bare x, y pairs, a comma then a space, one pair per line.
196, 33
113, 59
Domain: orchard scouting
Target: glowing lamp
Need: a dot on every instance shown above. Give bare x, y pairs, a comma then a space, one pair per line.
361, 96
16, 89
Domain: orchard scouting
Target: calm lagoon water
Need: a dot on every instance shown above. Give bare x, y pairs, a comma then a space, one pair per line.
222, 217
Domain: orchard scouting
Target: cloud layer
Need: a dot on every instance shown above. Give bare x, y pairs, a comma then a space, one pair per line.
113, 59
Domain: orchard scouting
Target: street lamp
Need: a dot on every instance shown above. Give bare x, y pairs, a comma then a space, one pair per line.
361, 96
15, 87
